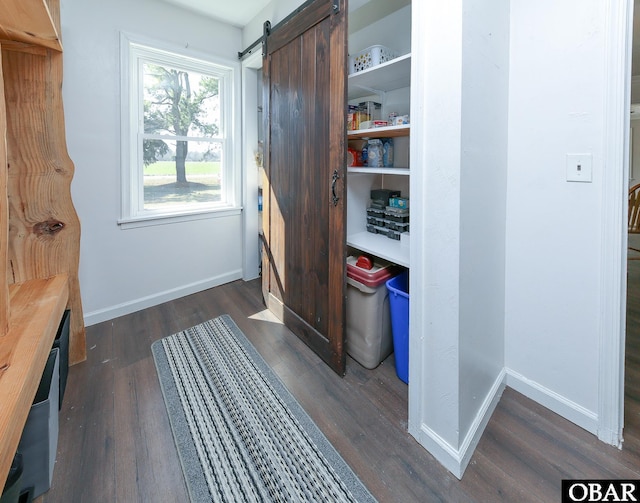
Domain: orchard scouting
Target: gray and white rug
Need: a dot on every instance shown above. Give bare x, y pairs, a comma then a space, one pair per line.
240, 434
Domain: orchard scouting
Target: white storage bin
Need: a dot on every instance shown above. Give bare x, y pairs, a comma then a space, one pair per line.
369, 338
368, 331
370, 57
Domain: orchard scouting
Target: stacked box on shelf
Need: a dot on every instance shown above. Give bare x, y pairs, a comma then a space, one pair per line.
380, 197
399, 202
376, 210
375, 220
397, 217
396, 221
388, 213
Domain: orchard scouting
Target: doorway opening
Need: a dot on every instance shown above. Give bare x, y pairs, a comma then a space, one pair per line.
632, 339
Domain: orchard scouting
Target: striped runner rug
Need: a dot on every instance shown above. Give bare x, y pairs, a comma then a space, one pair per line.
240, 434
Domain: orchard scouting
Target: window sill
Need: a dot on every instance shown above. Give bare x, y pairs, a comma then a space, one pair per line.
164, 219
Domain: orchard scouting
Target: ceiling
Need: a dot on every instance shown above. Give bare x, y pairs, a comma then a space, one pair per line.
240, 12
236, 12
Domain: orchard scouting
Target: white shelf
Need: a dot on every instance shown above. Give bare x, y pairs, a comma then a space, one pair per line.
380, 246
379, 171
388, 76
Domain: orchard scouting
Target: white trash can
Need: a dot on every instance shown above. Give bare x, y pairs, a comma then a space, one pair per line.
368, 335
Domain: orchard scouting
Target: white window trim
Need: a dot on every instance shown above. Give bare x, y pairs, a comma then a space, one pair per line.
132, 47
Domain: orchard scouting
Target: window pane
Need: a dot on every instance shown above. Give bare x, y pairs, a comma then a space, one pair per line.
180, 102
182, 173
178, 147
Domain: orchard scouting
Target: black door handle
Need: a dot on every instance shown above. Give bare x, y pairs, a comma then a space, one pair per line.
334, 179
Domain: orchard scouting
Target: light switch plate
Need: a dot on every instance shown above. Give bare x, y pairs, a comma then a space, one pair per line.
579, 167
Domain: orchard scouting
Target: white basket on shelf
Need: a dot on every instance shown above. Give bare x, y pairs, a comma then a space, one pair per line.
370, 57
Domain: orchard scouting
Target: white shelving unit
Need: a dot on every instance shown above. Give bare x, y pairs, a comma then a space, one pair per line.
382, 78
378, 81
380, 246
379, 171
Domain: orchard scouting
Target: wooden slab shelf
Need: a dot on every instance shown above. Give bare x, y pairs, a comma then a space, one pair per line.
31, 22
40, 235
39, 228
37, 307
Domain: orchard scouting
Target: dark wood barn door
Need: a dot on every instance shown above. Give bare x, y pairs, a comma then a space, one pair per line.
304, 73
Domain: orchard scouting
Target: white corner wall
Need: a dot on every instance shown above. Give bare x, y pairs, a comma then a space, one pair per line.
436, 113
553, 273
122, 271
483, 196
460, 78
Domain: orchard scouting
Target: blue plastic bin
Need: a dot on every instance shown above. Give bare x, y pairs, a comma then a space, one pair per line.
399, 305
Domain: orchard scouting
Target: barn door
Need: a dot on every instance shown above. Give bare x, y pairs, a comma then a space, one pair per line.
304, 71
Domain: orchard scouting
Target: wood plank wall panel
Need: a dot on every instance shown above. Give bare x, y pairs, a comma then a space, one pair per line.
4, 218
53, 7
310, 285
44, 230
338, 159
266, 185
306, 225
277, 211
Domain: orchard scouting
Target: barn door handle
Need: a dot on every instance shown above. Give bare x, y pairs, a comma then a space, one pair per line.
334, 179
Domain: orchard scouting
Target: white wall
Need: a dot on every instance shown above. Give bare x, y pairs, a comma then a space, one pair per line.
436, 113
460, 66
274, 12
393, 31
483, 195
553, 272
125, 270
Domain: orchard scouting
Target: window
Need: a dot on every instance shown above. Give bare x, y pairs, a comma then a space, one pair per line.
178, 152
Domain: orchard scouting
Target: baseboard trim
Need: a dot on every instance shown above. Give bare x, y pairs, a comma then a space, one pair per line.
111, 312
481, 420
454, 459
555, 402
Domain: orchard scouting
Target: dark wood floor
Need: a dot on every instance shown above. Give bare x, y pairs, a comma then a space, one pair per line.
115, 442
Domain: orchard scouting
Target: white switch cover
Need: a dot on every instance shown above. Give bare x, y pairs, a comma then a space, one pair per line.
579, 167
